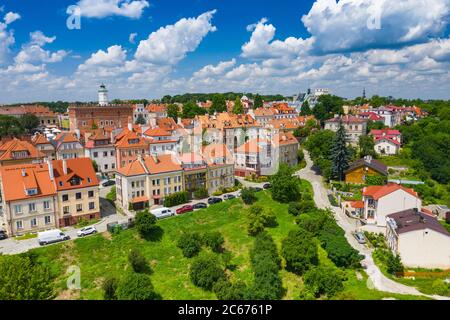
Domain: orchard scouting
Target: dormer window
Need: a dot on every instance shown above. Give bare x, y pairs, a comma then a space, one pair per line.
75, 181
20, 154
32, 192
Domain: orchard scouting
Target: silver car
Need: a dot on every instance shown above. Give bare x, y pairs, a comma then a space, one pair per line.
86, 231
359, 236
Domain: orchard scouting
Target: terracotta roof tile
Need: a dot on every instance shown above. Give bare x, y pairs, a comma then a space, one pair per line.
378, 192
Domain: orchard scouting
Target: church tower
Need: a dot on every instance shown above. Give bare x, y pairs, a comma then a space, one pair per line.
103, 96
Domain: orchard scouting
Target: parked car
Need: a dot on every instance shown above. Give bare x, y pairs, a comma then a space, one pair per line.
267, 186
185, 209
52, 236
162, 213
86, 231
229, 197
3, 235
200, 205
108, 183
214, 200
359, 236
256, 189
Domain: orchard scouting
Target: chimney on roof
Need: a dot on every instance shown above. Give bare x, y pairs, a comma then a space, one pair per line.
130, 124
50, 168
64, 163
24, 174
155, 157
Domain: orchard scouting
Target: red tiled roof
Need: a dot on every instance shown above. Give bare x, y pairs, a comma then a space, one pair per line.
17, 178
8, 148
378, 192
157, 132
126, 141
79, 167
347, 119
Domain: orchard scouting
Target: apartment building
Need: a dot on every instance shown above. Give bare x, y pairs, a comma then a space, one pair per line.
68, 146
381, 201
220, 170
387, 141
128, 146
160, 140
195, 172
17, 151
354, 127
44, 145
100, 149
78, 190
147, 180
419, 239
288, 148
28, 199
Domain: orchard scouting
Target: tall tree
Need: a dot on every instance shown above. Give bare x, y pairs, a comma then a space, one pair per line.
10, 126
258, 103
366, 146
140, 119
23, 278
306, 109
285, 187
340, 154
173, 111
219, 103
29, 122
238, 107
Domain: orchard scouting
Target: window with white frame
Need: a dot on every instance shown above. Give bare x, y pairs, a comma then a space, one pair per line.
18, 209
19, 224
47, 219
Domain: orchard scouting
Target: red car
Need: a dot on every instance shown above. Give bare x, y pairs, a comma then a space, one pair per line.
185, 209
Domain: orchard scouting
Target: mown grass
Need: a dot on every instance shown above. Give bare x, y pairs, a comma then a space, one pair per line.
104, 255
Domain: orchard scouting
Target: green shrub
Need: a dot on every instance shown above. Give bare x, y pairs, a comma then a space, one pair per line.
201, 193
138, 262
112, 195
205, 271
299, 249
285, 187
145, 223
376, 180
248, 196
324, 280
214, 240
136, 286
228, 291
176, 199
259, 218
294, 208
440, 287
109, 287
190, 243
394, 264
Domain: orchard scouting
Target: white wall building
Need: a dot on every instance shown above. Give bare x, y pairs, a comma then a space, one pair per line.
419, 239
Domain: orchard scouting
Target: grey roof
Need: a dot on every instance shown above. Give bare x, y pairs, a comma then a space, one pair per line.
412, 220
374, 164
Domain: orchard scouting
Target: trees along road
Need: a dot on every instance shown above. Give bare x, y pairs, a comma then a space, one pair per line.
377, 278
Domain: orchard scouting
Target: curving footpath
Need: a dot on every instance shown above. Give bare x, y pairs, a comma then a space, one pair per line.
377, 278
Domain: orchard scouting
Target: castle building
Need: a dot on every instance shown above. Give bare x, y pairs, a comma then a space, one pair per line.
101, 115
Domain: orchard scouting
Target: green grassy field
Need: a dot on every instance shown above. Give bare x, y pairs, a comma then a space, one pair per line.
105, 255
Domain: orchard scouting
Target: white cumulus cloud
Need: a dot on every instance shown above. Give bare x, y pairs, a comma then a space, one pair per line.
10, 17
349, 25
106, 8
170, 44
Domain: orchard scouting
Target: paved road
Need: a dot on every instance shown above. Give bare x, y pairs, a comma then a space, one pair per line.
379, 281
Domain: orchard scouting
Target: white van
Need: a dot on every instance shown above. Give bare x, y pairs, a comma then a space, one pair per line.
52, 236
162, 213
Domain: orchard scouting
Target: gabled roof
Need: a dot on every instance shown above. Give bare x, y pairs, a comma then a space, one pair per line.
79, 167
135, 168
217, 154
413, 220
388, 139
252, 146
15, 145
371, 163
125, 141
65, 137
167, 124
40, 139
286, 138
157, 132
17, 178
385, 132
377, 192
162, 163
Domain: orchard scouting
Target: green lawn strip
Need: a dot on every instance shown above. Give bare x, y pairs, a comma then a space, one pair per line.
26, 236
421, 282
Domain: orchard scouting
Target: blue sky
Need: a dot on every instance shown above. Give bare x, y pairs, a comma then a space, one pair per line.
399, 48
